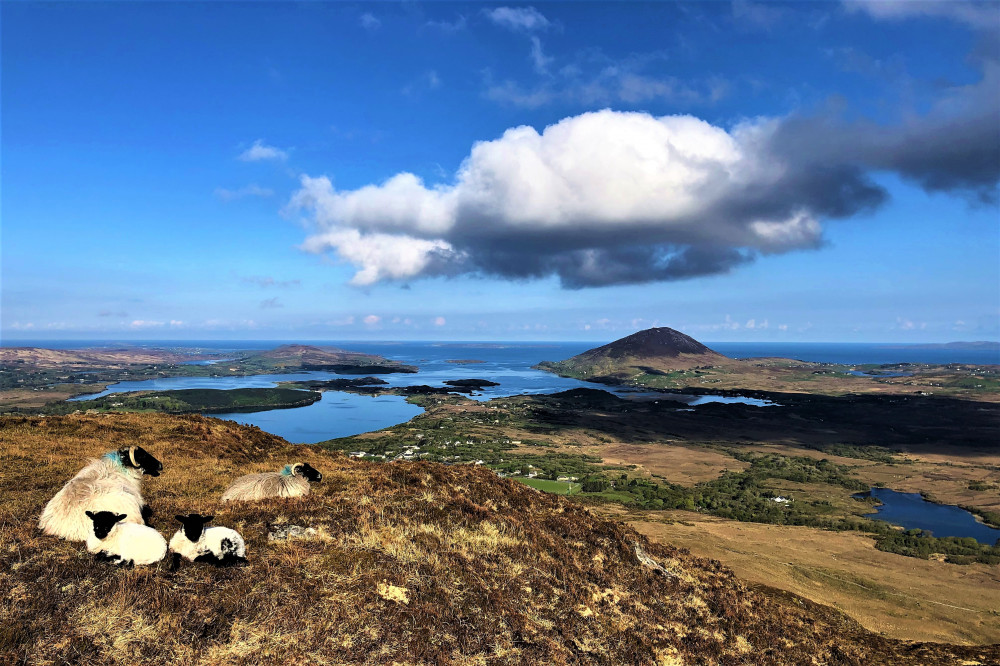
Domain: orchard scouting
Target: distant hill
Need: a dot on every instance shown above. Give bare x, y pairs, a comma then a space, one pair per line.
308, 357
38, 357
652, 351
415, 563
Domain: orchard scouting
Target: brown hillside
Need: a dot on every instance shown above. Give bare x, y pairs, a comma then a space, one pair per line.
408, 563
308, 355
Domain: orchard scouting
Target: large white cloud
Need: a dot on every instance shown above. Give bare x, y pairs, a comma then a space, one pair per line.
612, 198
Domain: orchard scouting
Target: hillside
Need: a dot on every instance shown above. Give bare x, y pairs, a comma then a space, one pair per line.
403, 562
652, 351
37, 357
308, 357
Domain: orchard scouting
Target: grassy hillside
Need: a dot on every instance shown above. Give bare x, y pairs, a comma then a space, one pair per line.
406, 563
182, 401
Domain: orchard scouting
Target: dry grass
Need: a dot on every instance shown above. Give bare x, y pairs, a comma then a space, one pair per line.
409, 563
898, 596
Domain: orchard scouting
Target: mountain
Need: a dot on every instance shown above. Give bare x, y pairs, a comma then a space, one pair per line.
652, 351
382, 563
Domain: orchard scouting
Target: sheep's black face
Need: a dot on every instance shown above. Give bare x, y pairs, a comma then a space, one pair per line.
140, 458
104, 522
194, 524
309, 472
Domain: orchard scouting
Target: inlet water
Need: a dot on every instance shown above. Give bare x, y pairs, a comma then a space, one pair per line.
911, 511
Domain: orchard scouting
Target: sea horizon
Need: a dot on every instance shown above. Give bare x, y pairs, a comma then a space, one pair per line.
848, 353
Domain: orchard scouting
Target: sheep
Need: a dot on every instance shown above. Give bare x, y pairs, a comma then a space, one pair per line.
125, 544
220, 546
110, 483
292, 481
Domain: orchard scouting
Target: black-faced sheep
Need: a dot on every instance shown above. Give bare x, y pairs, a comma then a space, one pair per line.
292, 481
124, 544
220, 546
110, 483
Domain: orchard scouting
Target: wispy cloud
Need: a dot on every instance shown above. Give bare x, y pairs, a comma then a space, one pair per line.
260, 151
592, 79
111, 313
266, 281
459, 24
429, 80
526, 19
981, 15
252, 190
270, 303
370, 22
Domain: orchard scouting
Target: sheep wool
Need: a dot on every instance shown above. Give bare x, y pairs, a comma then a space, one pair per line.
292, 481
106, 484
220, 546
125, 543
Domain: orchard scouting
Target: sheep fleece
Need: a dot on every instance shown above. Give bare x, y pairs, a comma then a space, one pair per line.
133, 543
210, 543
269, 484
103, 485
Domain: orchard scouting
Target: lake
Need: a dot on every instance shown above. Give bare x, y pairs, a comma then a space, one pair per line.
911, 511
340, 414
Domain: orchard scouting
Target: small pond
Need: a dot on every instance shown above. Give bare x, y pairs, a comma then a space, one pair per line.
911, 511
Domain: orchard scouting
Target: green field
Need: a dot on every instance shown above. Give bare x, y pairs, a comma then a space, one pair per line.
547, 486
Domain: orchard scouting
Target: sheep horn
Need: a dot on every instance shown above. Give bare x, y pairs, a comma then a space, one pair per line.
131, 456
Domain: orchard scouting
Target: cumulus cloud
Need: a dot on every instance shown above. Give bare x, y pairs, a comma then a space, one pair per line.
260, 151
609, 197
526, 19
440, 321
371, 320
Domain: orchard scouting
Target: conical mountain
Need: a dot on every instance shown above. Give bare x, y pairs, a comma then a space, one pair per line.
654, 351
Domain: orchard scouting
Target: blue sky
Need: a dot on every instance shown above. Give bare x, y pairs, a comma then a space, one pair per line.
739, 171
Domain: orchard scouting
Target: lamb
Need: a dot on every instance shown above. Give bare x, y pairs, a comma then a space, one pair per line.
110, 483
220, 546
126, 544
292, 481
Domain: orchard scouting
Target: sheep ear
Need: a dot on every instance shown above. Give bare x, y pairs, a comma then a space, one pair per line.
120, 516
181, 519
90, 514
207, 519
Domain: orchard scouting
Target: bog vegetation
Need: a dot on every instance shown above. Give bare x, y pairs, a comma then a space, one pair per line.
407, 562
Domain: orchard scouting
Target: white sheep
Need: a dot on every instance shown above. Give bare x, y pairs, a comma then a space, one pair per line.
125, 544
292, 481
110, 483
220, 546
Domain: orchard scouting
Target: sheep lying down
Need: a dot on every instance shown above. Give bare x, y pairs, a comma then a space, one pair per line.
291, 481
110, 483
220, 546
125, 544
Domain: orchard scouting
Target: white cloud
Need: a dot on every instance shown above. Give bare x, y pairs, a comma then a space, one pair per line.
975, 14
587, 181
252, 190
145, 323
369, 21
176, 322
260, 151
538, 57
440, 321
518, 18
371, 320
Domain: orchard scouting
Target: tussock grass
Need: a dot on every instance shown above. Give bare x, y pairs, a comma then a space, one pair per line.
413, 563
